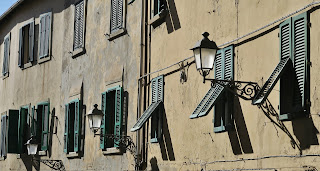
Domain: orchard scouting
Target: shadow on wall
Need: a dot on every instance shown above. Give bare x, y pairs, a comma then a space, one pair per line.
154, 164
166, 143
305, 132
29, 162
172, 19
239, 137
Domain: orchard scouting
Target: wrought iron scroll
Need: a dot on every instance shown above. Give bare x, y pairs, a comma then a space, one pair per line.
53, 164
127, 143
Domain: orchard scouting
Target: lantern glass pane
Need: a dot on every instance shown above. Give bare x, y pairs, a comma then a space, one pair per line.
32, 149
207, 57
197, 58
96, 121
90, 120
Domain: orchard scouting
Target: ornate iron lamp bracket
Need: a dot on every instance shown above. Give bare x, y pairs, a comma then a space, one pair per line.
246, 90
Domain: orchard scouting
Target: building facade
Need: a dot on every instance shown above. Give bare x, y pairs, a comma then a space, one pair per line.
133, 59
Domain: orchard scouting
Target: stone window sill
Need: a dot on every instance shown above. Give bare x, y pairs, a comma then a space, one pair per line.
5, 76
77, 52
117, 34
42, 153
113, 150
44, 59
72, 155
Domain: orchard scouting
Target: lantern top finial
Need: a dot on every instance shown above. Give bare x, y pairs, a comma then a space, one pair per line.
205, 34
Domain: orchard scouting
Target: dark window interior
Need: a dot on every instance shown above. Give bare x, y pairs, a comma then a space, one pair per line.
110, 117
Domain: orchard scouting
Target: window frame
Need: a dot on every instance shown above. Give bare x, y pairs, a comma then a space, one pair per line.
157, 19
30, 61
113, 34
79, 51
47, 57
104, 104
76, 149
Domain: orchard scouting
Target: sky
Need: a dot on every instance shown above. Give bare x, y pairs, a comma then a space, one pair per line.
5, 4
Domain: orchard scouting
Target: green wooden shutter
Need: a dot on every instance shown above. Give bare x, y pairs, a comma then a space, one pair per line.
5, 68
3, 143
22, 129
42, 33
20, 48
214, 92
45, 126
113, 18
4, 57
299, 58
103, 122
13, 127
33, 122
78, 25
118, 116
66, 129
31, 41
77, 123
119, 14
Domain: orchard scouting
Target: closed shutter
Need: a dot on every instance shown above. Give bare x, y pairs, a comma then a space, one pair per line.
5, 68
77, 121
118, 116
42, 36
22, 130
214, 92
47, 34
20, 48
66, 129
103, 121
78, 25
45, 127
33, 122
31, 41
299, 58
116, 19
3, 143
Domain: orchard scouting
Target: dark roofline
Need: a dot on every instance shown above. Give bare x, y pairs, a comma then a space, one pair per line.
14, 6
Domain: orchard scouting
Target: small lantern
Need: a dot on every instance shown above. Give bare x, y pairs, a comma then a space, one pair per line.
204, 53
32, 146
95, 117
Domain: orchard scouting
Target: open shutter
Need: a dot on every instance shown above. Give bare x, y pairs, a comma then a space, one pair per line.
77, 122
299, 58
118, 116
22, 129
214, 92
42, 36
78, 25
263, 93
3, 143
20, 48
45, 127
157, 93
47, 34
33, 122
66, 129
6, 55
13, 127
31, 41
103, 121
113, 19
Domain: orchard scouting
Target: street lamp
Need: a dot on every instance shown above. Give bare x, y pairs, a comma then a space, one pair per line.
32, 146
204, 54
95, 117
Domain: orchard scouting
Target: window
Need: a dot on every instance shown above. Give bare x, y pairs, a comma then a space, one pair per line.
217, 96
6, 55
158, 7
3, 136
40, 124
292, 70
111, 105
116, 20
45, 36
73, 122
155, 110
26, 45
79, 27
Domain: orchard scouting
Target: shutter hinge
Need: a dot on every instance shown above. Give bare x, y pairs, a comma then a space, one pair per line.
278, 35
309, 63
309, 25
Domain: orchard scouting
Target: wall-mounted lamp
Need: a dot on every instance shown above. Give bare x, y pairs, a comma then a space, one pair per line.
32, 146
204, 55
95, 117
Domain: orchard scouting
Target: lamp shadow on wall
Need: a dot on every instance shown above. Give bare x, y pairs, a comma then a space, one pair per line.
29, 162
154, 164
165, 142
239, 136
172, 19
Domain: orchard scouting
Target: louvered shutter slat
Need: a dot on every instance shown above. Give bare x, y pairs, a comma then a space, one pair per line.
47, 34
78, 25
20, 48
300, 57
76, 126
119, 13
103, 124
42, 36
45, 127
